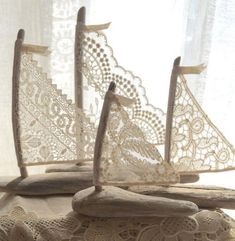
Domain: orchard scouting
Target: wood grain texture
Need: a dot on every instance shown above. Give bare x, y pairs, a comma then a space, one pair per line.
116, 202
203, 196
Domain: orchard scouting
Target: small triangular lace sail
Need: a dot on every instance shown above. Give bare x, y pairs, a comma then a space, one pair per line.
127, 157
196, 144
48, 123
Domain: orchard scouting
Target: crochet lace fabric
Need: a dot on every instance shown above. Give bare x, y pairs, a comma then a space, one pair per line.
197, 145
48, 123
203, 226
128, 158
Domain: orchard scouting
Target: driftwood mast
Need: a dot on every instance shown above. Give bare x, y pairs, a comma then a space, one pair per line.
19, 48
100, 136
78, 78
170, 108
15, 103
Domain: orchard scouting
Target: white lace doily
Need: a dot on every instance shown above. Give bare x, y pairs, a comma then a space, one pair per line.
20, 225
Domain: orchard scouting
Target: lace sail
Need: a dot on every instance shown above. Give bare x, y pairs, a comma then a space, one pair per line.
99, 67
196, 144
128, 158
47, 121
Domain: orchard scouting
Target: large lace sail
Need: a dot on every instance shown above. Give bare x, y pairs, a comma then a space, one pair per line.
128, 158
48, 123
99, 67
197, 145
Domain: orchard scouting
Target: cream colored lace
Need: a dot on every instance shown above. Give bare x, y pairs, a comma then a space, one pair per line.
47, 121
128, 158
20, 225
99, 68
50, 124
197, 145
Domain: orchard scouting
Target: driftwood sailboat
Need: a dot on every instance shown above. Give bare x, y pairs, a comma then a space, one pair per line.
46, 127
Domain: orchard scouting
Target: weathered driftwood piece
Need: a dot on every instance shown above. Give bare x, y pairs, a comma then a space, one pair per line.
170, 108
101, 134
79, 167
45, 184
203, 196
116, 202
189, 178
15, 94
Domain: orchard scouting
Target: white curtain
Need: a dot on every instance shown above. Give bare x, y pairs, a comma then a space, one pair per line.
146, 36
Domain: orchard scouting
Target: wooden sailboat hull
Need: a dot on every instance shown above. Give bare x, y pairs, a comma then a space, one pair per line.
45, 184
79, 167
115, 202
189, 178
203, 196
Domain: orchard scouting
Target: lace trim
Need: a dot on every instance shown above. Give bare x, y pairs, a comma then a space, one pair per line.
20, 225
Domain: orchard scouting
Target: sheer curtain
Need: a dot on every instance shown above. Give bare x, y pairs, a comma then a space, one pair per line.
146, 36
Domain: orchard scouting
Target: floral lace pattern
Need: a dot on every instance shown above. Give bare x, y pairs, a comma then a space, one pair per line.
20, 225
197, 145
203, 226
48, 123
99, 67
127, 157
